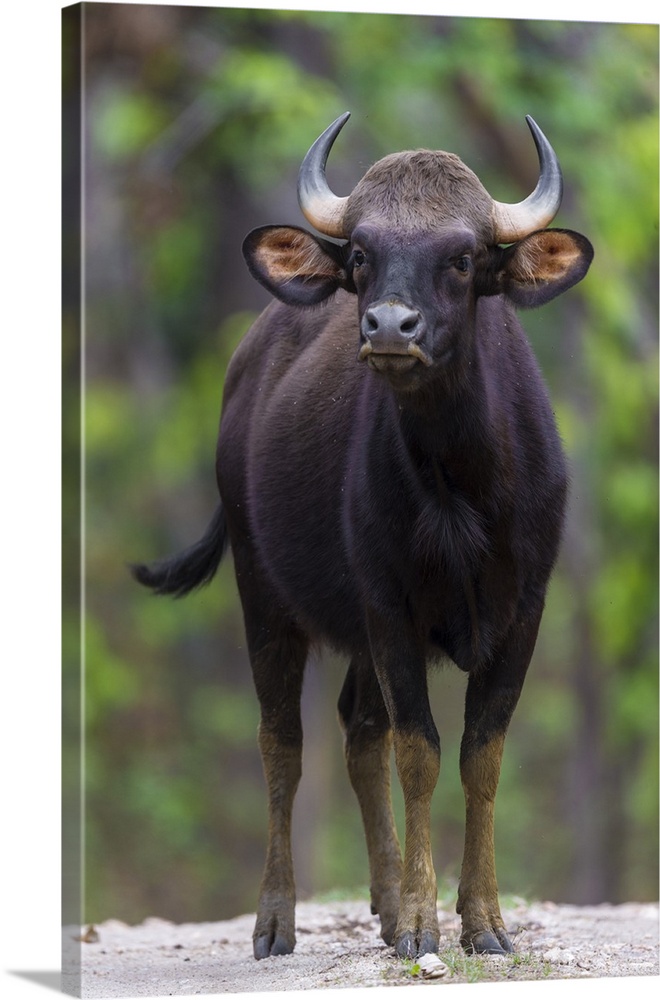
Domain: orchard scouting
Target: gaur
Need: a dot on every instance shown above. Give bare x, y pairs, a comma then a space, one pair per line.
392, 485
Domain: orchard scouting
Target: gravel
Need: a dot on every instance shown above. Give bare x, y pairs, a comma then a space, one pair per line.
338, 945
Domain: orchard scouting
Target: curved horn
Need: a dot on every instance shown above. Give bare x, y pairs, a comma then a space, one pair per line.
323, 209
512, 222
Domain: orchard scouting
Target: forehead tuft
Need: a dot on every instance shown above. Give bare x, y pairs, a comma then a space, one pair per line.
423, 189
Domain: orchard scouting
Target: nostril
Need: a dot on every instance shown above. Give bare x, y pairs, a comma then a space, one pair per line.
372, 321
409, 325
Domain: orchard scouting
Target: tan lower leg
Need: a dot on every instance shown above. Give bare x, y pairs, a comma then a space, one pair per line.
277, 895
477, 895
418, 766
369, 771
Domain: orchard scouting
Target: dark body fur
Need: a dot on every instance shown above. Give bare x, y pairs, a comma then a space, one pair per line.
446, 508
392, 484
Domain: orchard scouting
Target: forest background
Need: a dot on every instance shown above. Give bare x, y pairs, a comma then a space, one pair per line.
195, 122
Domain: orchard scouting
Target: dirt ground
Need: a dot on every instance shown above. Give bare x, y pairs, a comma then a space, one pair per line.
338, 945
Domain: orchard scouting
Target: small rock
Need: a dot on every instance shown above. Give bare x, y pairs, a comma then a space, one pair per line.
431, 967
559, 955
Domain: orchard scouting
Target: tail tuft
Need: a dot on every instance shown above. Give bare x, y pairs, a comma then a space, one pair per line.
192, 568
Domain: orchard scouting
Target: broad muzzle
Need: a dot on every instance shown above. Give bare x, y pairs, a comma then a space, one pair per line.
391, 328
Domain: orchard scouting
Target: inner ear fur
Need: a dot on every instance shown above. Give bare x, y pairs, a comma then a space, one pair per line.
295, 266
543, 265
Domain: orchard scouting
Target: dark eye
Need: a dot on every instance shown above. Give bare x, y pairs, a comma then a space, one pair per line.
359, 258
462, 264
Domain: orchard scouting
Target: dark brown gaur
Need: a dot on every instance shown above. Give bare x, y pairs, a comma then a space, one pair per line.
392, 485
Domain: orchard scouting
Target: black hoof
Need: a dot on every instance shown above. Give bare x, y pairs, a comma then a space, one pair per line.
410, 946
265, 946
487, 943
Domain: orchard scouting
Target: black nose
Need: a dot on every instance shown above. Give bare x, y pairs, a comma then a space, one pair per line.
390, 327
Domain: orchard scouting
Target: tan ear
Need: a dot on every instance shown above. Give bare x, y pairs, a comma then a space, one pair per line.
292, 253
545, 264
294, 265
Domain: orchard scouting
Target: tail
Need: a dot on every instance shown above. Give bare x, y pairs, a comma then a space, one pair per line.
192, 568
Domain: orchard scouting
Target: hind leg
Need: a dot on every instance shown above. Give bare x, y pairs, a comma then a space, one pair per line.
278, 652
278, 673
280, 744
368, 742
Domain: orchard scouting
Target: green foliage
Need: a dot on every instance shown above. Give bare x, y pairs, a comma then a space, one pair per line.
129, 120
197, 127
467, 968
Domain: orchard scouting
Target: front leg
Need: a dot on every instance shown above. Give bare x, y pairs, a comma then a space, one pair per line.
492, 694
401, 669
483, 929
418, 765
